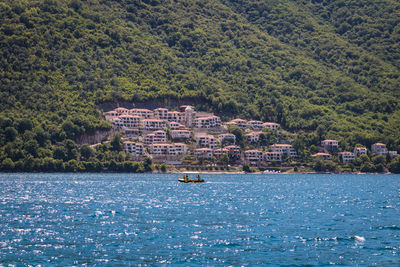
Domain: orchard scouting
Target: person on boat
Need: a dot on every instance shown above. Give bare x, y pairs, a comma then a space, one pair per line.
187, 178
198, 177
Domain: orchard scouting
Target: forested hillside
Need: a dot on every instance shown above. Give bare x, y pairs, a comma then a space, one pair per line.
313, 65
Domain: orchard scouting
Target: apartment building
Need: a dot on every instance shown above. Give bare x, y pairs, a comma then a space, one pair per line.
180, 134
207, 122
156, 137
133, 148
208, 141
273, 156
346, 156
286, 149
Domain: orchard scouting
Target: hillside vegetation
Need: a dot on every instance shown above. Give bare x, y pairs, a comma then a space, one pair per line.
314, 65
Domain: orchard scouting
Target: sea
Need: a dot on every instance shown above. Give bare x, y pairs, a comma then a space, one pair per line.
123, 219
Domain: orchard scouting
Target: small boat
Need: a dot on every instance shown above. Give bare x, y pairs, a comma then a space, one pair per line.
185, 179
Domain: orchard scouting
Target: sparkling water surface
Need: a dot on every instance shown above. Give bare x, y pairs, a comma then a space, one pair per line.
149, 219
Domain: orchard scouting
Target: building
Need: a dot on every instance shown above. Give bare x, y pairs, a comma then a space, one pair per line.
284, 149
358, 151
180, 134
207, 122
129, 121
219, 152
189, 115
175, 125
111, 114
242, 124
161, 114
180, 149
167, 149
273, 156
253, 137
325, 156
133, 148
271, 125
153, 124
392, 154
206, 153
122, 111
256, 125
142, 112
208, 141
379, 149
253, 155
233, 151
346, 156
227, 136
156, 137
175, 116
330, 144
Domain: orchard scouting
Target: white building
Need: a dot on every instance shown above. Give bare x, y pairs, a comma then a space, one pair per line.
175, 126
233, 151
273, 156
256, 125
284, 149
129, 121
176, 116
346, 156
253, 155
142, 112
161, 114
156, 137
153, 124
227, 136
330, 144
206, 153
379, 149
180, 134
271, 125
207, 122
133, 148
208, 141
167, 149
253, 137
242, 124
358, 151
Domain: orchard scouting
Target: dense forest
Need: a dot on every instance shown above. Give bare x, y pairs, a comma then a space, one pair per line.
315, 66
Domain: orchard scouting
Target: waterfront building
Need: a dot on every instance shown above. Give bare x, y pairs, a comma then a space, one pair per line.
285, 149
233, 151
346, 156
253, 155
206, 153
358, 151
272, 156
379, 149
133, 148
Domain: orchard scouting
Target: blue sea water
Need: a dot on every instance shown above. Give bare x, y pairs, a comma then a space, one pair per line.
148, 219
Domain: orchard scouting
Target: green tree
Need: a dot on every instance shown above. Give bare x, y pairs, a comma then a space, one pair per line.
116, 142
86, 152
394, 166
10, 134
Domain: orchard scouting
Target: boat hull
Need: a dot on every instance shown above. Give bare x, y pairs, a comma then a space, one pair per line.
190, 181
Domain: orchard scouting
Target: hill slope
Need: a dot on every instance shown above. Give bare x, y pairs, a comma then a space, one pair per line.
305, 64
